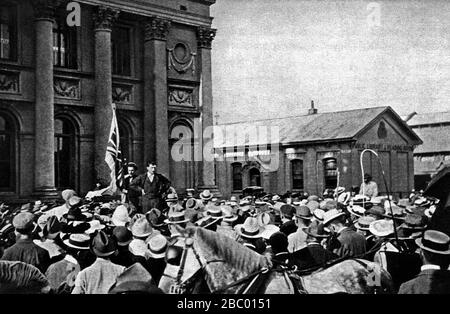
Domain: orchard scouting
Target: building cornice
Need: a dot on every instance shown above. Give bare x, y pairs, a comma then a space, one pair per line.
143, 8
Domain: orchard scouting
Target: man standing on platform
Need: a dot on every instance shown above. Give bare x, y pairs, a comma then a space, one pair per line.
131, 196
152, 187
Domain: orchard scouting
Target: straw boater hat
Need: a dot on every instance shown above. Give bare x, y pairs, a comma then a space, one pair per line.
434, 241
206, 195
78, 241
356, 210
344, 198
318, 214
364, 222
227, 214
95, 225
331, 215
191, 204
213, 215
382, 227
250, 229
172, 197
176, 218
157, 246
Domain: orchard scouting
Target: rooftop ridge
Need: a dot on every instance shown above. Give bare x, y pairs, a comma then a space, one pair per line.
303, 115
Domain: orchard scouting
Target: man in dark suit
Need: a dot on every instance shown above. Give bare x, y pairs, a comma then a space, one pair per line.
131, 196
152, 187
351, 243
314, 254
434, 277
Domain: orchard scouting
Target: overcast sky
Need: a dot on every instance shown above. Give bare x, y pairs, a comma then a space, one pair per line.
270, 58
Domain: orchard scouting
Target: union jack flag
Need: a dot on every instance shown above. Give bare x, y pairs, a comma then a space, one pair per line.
113, 156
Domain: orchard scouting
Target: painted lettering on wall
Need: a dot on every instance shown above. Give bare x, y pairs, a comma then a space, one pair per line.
383, 147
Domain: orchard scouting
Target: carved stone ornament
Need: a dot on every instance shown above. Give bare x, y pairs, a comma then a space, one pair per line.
67, 88
180, 97
181, 59
45, 9
122, 94
105, 17
156, 28
205, 36
9, 82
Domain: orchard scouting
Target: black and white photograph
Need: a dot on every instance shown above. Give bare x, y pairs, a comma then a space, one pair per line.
231, 148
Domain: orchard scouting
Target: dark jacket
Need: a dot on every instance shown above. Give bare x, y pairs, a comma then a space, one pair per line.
288, 227
156, 268
124, 257
312, 255
351, 243
429, 281
155, 191
24, 250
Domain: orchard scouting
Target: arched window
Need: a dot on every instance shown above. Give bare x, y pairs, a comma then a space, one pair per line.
237, 176
65, 160
297, 174
330, 173
255, 177
7, 156
125, 142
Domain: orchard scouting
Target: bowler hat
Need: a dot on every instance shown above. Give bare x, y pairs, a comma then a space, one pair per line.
103, 245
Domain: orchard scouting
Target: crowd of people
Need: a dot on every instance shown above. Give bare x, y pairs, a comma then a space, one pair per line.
98, 245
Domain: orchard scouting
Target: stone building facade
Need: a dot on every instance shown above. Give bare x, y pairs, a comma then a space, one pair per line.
434, 153
316, 151
57, 84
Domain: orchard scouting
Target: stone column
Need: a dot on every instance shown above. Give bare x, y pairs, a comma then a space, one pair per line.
44, 140
205, 37
104, 18
156, 128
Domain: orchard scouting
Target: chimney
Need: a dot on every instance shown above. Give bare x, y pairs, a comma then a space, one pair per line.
312, 110
412, 114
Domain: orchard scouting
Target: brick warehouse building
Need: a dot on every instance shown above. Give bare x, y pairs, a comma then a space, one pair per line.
57, 84
310, 150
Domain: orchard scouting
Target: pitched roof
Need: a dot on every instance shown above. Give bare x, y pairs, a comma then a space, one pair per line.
326, 126
435, 139
430, 118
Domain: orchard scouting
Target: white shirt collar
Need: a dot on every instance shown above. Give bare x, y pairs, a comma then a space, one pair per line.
430, 266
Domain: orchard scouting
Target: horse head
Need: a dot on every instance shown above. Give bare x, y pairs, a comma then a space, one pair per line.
203, 258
